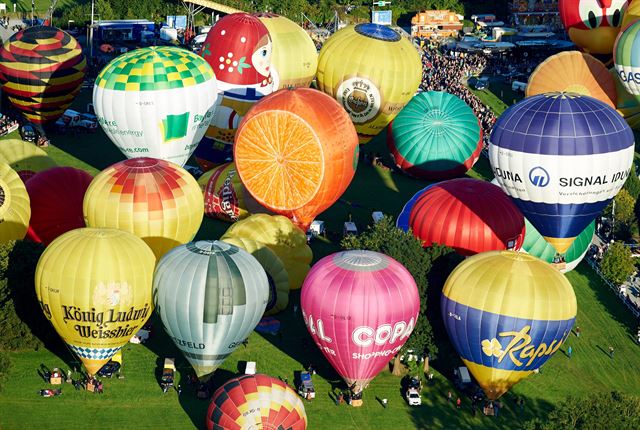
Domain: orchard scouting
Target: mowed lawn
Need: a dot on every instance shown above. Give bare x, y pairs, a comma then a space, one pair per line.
138, 402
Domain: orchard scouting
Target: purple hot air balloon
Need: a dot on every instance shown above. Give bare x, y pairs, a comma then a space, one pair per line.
359, 307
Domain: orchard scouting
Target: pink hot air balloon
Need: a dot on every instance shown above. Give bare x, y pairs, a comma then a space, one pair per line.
359, 307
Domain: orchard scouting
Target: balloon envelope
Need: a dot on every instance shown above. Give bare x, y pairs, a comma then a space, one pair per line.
25, 158
296, 153
256, 402
156, 200
156, 102
372, 71
41, 69
561, 157
506, 313
626, 57
573, 72
15, 209
628, 105
282, 237
210, 296
469, 215
435, 136
56, 202
592, 24
94, 286
359, 307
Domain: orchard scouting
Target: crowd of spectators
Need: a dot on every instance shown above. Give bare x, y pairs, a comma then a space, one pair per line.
7, 125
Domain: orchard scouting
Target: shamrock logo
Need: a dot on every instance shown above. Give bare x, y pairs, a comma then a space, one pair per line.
243, 65
492, 348
205, 50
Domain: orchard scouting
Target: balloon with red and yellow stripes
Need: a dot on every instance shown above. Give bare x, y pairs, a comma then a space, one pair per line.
41, 71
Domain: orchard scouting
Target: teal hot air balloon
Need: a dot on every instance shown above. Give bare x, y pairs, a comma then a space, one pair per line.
436, 136
210, 296
535, 245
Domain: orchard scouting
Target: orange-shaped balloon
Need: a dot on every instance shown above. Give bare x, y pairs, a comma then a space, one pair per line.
296, 151
573, 72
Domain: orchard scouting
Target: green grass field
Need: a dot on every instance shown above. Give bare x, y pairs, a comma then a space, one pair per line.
138, 402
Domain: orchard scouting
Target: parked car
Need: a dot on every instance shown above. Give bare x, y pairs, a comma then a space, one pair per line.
109, 369
168, 372
306, 390
413, 397
28, 133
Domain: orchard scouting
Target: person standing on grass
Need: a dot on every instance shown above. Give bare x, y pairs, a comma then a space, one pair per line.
570, 351
577, 331
458, 403
611, 352
449, 396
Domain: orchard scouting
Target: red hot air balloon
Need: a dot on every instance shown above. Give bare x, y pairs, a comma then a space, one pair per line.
469, 215
359, 307
56, 202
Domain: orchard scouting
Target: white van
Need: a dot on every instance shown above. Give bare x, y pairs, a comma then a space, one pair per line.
518, 86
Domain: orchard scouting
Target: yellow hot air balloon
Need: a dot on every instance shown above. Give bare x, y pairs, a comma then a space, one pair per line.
94, 286
372, 71
573, 72
24, 157
294, 59
273, 266
15, 209
156, 200
285, 239
506, 314
631, 15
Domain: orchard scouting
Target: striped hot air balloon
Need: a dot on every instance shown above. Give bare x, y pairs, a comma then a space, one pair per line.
435, 136
562, 157
255, 402
626, 56
41, 69
210, 296
506, 314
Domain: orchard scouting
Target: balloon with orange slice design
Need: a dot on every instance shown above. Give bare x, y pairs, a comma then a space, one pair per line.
296, 152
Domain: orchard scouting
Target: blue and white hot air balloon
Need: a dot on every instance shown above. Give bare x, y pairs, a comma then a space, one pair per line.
562, 157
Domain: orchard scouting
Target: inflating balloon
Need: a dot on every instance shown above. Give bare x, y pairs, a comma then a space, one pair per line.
94, 286
273, 267
282, 237
25, 158
562, 158
592, 24
41, 71
573, 72
535, 245
156, 200
435, 136
296, 152
295, 58
626, 56
372, 71
238, 49
360, 307
506, 314
628, 105
225, 196
210, 296
156, 102
56, 198
256, 402
468, 215
15, 209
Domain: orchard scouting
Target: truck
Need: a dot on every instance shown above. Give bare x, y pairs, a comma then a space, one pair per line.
168, 372
306, 390
73, 119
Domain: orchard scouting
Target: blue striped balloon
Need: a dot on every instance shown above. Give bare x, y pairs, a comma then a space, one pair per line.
562, 157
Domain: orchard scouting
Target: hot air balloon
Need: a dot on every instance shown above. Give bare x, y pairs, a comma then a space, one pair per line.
156, 200
573, 72
631, 15
294, 59
506, 314
225, 196
561, 157
372, 71
627, 58
360, 307
592, 24
94, 286
468, 215
56, 202
238, 48
436, 136
282, 237
535, 245
296, 153
25, 158
273, 267
41, 71
156, 102
15, 210
628, 105
210, 296
255, 402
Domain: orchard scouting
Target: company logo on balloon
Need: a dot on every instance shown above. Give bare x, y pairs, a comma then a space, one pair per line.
99, 321
519, 349
539, 177
360, 98
629, 76
364, 336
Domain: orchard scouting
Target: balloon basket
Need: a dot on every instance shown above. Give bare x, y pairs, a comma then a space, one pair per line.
356, 403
